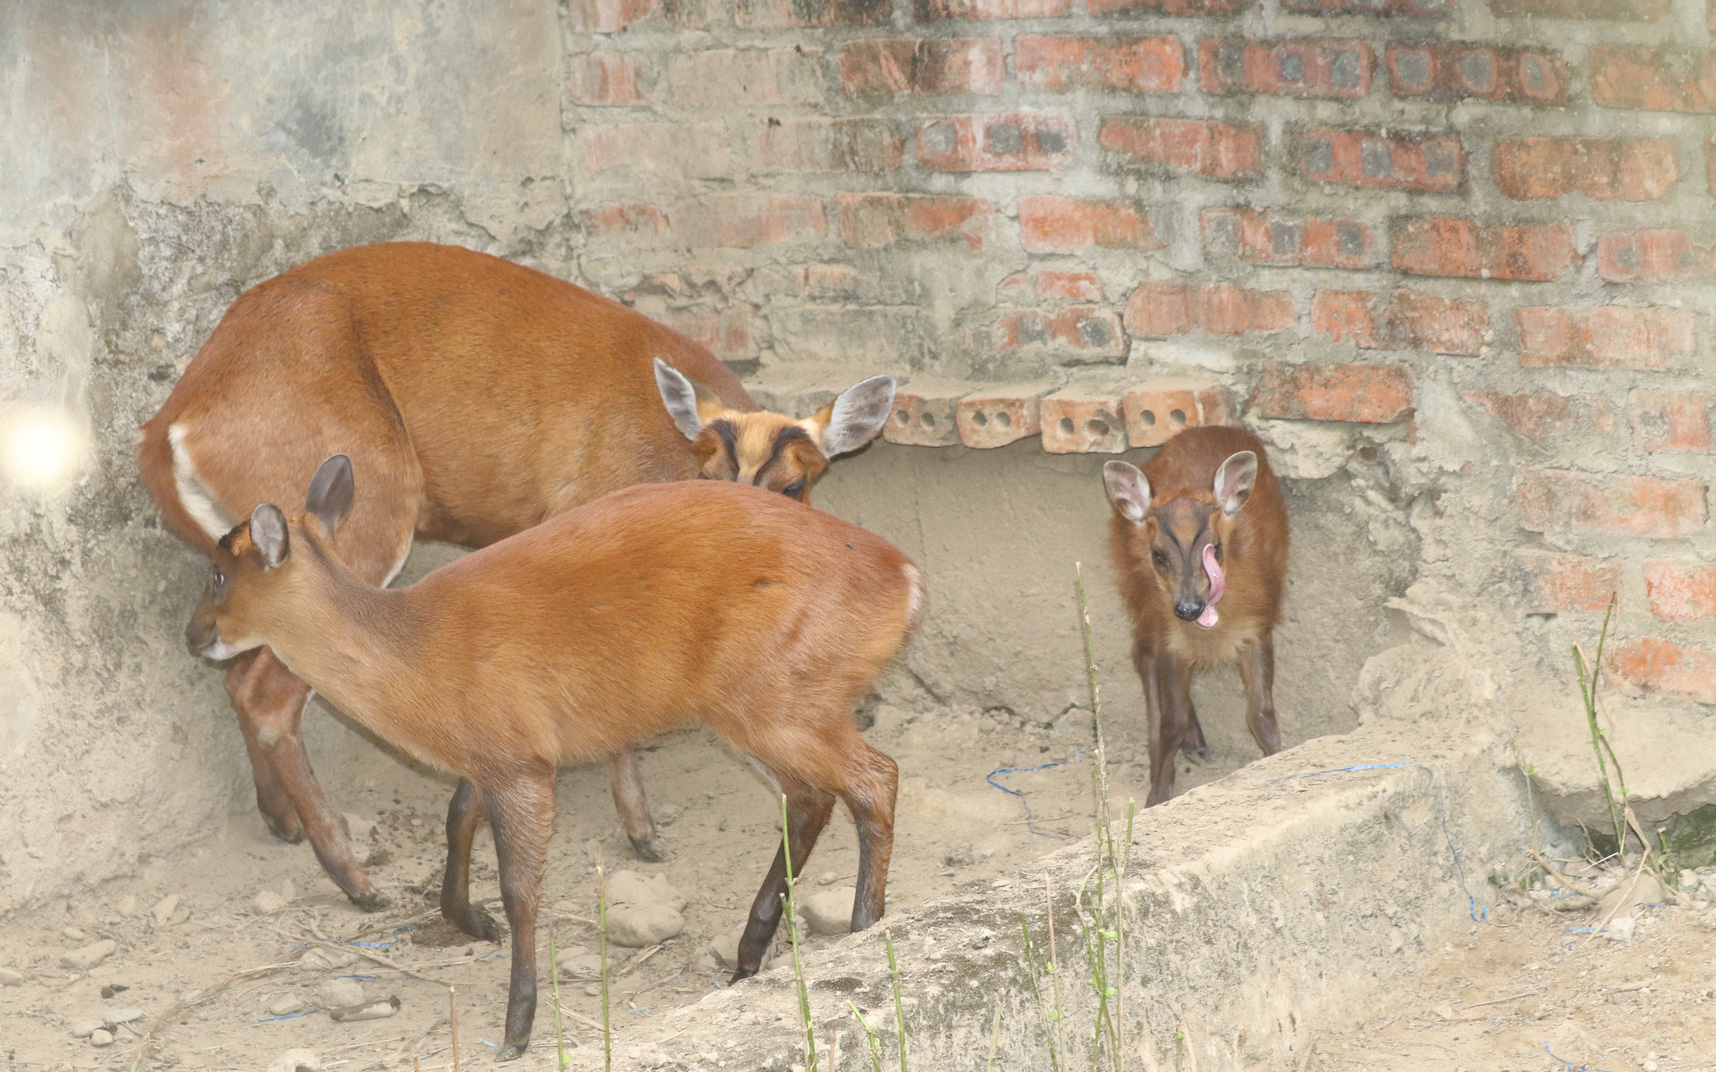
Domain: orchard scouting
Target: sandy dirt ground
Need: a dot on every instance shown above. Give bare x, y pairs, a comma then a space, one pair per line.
1535, 990
209, 977
226, 953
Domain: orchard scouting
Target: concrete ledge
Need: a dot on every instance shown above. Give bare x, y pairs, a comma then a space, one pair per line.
1260, 910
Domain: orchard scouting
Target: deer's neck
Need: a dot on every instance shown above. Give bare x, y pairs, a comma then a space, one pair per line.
351, 641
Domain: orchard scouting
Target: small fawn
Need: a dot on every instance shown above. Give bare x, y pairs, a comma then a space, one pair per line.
479, 397
610, 622
1200, 546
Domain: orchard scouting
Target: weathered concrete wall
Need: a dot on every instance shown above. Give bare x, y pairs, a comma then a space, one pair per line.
1454, 256
158, 159
1477, 331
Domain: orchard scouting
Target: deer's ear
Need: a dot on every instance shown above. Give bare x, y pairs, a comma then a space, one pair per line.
330, 494
1234, 481
1128, 490
268, 535
680, 398
854, 418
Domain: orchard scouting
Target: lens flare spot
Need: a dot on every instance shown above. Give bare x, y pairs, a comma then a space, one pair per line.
41, 447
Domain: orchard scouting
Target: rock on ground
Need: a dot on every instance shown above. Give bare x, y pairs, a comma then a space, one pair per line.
339, 993
1645, 889
8, 977
828, 911
725, 948
643, 924
90, 955
629, 887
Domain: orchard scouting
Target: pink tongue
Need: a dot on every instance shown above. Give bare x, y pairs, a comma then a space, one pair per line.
1218, 586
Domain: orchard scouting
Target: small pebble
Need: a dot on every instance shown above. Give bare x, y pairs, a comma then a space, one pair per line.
75, 934
128, 905
339, 993
581, 966
90, 955
959, 855
286, 1006
329, 958
86, 1028
8, 977
827, 878
297, 1061
163, 910
267, 901
115, 1017
375, 1010
592, 990
101, 1037
358, 827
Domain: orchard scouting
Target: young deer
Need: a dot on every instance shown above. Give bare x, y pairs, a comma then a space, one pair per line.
610, 622
1200, 545
480, 397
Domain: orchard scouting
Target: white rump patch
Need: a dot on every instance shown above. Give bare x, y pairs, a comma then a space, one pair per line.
194, 495
915, 600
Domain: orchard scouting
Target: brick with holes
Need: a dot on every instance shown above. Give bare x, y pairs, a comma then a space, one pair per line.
1085, 419
924, 413
1157, 409
994, 415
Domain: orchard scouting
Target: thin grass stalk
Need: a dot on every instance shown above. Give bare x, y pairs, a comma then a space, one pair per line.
554, 984
453, 1020
1037, 990
995, 1032
602, 946
1054, 962
1589, 675
1109, 1026
870, 1034
899, 1005
792, 934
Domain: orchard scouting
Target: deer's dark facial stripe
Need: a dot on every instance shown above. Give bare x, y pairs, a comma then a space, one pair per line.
792, 433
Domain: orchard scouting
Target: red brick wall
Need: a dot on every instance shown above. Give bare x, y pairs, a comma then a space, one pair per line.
1343, 201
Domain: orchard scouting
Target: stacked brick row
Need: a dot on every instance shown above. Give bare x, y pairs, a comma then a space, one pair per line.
1345, 200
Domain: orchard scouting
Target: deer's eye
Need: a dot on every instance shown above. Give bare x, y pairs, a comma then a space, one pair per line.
1159, 558
218, 580
795, 490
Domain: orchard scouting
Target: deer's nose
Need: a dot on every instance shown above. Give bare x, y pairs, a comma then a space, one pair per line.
1188, 610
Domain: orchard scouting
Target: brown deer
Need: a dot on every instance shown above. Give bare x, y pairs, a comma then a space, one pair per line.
1200, 546
480, 397
612, 621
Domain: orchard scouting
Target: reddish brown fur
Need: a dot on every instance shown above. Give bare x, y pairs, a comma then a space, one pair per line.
1253, 542
477, 397
608, 623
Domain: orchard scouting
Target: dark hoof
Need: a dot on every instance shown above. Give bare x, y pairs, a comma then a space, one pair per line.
652, 850
474, 922
1199, 751
289, 829
512, 1051
741, 975
371, 901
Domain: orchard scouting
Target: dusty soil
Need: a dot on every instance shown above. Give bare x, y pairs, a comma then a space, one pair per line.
1532, 990
206, 978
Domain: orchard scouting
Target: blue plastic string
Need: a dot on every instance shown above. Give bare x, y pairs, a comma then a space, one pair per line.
288, 1016
1030, 823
